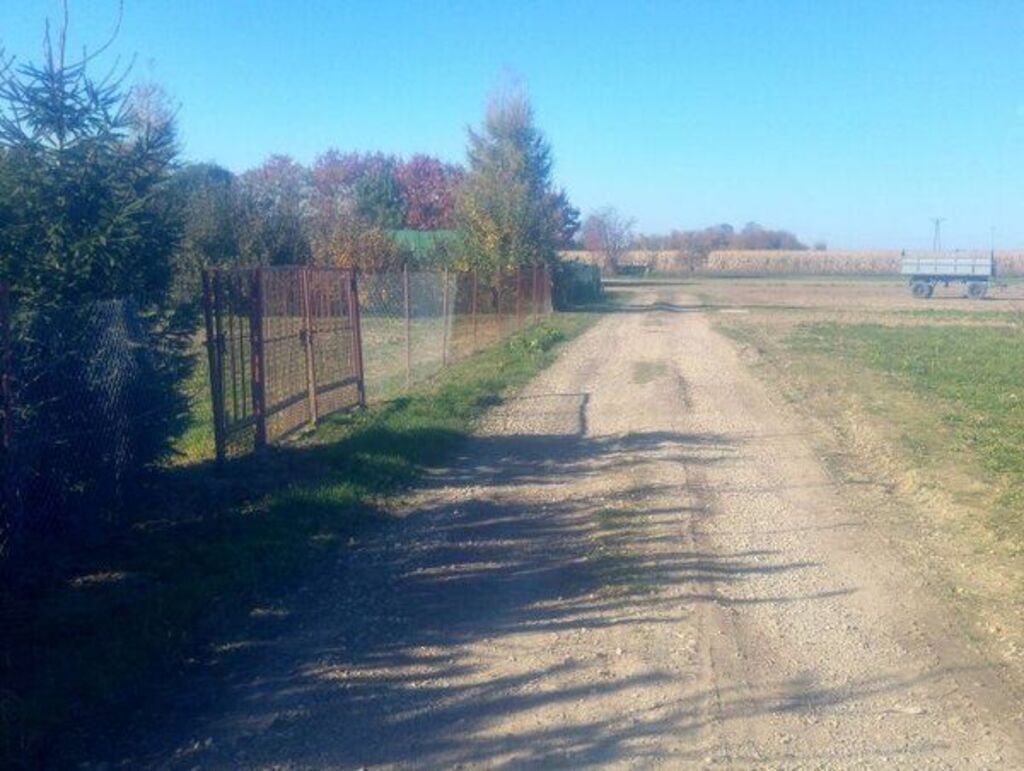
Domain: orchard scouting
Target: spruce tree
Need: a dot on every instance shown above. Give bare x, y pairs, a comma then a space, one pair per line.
87, 238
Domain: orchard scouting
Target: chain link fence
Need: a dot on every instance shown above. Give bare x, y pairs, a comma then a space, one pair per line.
415, 323
92, 396
89, 401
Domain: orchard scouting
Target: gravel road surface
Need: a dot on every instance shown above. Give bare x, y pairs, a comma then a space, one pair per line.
638, 561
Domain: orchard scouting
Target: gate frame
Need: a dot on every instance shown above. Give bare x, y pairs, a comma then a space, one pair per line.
213, 310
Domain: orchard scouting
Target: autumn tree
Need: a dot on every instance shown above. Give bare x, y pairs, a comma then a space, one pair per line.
507, 205
339, 237
354, 202
608, 233
272, 213
333, 176
428, 188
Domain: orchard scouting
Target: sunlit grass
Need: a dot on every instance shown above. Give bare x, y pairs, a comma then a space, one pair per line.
970, 376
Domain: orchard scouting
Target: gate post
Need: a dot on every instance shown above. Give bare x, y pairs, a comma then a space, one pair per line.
307, 343
9, 516
408, 325
444, 318
211, 310
259, 395
537, 290
5, 366
546, 281
357, 337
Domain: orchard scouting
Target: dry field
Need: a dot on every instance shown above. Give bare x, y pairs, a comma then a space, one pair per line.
803, 261
807, 262
851, 298
882, 263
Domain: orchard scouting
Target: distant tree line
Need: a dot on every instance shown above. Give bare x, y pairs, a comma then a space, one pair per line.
337, 211
608, 232
344, 208
718, 237
96, 202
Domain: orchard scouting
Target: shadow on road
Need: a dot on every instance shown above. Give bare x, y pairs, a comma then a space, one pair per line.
366, 666
651, 307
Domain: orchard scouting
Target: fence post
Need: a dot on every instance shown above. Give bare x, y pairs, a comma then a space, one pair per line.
542, 273
519, 296
307, 344
259, 395
546, 290
211, 310
357, 335
474, 306
5, 368
10, 513
408, 325
444, 318
537, 289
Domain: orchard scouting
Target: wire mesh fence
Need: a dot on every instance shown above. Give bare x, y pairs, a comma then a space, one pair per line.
287, 345
89, 399
92, 395
415, 323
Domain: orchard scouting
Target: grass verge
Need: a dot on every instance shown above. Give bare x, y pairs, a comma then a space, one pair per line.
92, 637
969, 377
922, 426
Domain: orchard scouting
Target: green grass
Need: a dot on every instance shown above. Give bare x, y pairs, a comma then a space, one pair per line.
196, 442
970, 377
94, 637
647, 371
953, 314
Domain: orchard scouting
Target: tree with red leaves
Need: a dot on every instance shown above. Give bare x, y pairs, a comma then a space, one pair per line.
364, 183
428, 188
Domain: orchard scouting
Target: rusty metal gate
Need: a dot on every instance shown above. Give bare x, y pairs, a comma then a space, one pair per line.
284, 349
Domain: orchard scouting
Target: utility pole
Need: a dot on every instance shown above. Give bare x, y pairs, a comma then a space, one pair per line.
937, 233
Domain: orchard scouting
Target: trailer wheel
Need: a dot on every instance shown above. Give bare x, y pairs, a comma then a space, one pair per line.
921, 289
976, 289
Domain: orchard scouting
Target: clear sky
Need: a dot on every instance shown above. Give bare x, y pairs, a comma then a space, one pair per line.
853, 122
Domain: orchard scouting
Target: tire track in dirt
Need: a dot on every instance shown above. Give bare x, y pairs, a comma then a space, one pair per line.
638, 561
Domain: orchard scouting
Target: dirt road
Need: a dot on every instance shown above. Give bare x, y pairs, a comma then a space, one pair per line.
639, 561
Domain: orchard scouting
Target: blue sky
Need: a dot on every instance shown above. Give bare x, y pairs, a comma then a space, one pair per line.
853, 122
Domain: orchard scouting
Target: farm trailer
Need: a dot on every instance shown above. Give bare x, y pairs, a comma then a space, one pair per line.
972, 269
